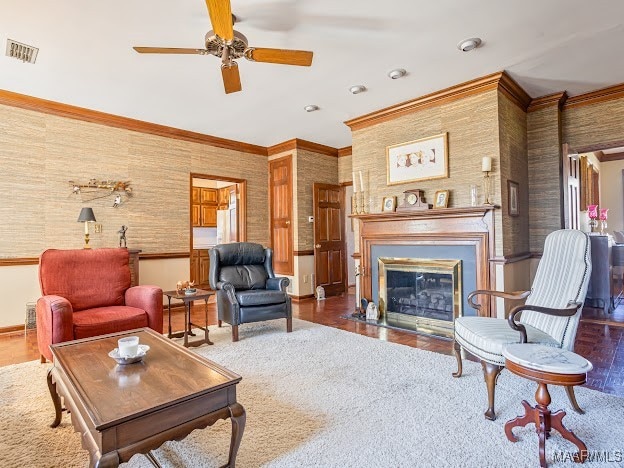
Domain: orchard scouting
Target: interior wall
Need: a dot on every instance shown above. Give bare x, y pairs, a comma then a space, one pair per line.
544, 148
596, 124
311, 168
472, 124
612, 193
345, 169
41, 153
513, 166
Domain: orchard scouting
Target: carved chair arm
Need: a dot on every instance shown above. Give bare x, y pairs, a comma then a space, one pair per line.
568, 311
518, 295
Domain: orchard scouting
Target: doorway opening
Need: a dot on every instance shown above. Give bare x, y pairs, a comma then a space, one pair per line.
218, 207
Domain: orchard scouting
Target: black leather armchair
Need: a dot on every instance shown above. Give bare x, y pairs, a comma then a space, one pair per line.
247, 290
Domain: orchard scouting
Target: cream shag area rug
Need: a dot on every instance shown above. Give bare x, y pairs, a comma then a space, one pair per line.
328, 398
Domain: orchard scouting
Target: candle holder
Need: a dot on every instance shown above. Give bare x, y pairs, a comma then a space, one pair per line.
354, 204
487, 188
593, 223
603, 226
363, 203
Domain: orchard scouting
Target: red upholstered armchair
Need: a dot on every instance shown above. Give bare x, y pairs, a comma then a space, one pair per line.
87, 293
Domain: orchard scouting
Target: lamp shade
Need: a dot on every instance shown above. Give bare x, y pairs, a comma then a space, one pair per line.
86, 214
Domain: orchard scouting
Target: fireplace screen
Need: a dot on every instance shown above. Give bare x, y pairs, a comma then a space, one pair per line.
420, 294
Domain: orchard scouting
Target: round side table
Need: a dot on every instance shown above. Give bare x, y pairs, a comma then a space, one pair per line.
546, 365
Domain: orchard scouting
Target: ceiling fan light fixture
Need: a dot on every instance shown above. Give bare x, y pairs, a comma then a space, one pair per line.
311, 108
357, 89
397, 73
469, 44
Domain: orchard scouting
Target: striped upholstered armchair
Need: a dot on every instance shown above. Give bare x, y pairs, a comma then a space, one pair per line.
550, 315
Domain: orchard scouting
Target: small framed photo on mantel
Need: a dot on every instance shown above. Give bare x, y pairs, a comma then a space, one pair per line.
441, 199
389, 204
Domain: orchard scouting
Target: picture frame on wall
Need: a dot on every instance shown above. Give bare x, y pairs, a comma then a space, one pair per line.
441, 199
513, 193
417, 160
389, 204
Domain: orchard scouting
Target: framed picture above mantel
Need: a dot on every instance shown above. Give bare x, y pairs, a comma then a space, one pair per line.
416, 160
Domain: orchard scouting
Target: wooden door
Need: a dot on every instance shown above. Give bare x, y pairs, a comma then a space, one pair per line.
280, 202
329, 242
571, 194
204, 267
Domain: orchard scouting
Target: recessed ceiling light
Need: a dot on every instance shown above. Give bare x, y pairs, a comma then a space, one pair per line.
397, 73
469, 44
357, 89
311, 108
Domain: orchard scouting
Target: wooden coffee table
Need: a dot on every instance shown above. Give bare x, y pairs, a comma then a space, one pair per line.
124, 410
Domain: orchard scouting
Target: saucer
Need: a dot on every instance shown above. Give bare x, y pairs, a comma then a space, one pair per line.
143, 349
190, 292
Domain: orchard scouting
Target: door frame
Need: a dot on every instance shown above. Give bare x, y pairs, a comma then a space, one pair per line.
241, 209
345, 275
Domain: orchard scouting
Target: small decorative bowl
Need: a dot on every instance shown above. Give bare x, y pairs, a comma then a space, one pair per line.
190, 291
143, 349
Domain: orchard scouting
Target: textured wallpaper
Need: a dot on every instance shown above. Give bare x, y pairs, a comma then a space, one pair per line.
40, 153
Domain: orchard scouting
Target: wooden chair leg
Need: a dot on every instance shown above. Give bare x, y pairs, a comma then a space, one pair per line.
457, 351
491, 373
234, 332
219, 323
43, 359
572, 398
289, 324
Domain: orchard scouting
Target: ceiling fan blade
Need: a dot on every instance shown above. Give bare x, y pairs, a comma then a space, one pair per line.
220, 12
302, 58
231, 78
168, 50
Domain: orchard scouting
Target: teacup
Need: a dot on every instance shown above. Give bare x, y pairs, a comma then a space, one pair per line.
128, 346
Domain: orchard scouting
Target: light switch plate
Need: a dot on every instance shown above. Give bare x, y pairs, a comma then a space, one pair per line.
98, 228
310, 219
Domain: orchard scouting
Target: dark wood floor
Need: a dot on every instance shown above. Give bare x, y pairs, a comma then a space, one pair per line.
601, 343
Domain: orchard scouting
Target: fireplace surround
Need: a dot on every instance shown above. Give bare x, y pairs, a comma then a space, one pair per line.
465, 234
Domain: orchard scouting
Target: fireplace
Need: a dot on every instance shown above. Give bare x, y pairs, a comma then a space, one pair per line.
420, 294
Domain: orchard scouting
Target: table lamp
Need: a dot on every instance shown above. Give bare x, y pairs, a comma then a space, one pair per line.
86, 216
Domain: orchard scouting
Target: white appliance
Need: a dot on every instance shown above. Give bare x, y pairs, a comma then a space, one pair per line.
223, 227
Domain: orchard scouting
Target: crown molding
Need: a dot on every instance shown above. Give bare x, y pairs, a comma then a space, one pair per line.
9, 98
594, 97
542, 102
510, 88
299, 144
500, 80
346, 151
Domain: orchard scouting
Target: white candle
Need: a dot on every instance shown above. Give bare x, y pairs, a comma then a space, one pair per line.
361, 182
354, 183
486, 165
86, 227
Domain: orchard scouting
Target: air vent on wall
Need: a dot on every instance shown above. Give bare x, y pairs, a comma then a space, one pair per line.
20, 51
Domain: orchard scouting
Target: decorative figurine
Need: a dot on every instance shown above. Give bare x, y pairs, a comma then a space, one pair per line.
320, 293
182, 286
122, 236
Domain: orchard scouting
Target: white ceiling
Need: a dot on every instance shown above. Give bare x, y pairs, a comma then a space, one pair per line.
86, 57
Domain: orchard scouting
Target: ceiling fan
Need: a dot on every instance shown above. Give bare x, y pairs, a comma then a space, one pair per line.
229, 45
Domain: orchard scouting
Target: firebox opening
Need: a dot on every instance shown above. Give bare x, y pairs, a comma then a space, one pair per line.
420, 294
